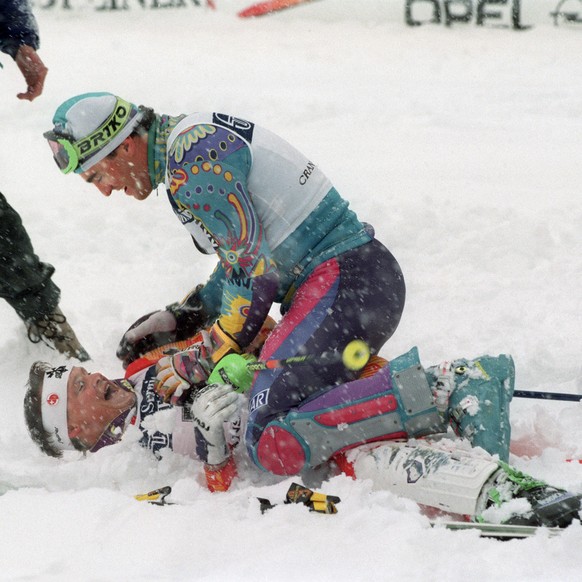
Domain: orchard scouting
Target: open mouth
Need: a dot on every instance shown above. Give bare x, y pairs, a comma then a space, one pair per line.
119, 393
109, 392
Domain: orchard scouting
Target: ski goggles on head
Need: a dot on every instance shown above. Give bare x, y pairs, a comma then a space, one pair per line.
65, 154
78, 155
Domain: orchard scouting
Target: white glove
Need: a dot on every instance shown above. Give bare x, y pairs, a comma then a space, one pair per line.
234, 432
214, 405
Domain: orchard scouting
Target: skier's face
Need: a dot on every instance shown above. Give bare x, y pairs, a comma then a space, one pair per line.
93, 402
126, 168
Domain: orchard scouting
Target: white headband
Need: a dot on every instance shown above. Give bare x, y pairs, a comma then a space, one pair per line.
53, 407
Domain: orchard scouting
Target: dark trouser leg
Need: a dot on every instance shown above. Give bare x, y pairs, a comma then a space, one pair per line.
25, 282
358, 295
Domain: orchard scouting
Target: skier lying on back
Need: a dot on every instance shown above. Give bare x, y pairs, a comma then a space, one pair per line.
69, 408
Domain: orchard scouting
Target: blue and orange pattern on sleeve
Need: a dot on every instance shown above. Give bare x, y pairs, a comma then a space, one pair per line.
208, 167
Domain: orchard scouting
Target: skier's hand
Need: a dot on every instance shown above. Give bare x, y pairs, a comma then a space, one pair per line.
213, 405
147, 333
179, 321
179, 372
33, 70
169, 383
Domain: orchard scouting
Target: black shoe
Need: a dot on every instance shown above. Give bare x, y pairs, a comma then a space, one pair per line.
54, 331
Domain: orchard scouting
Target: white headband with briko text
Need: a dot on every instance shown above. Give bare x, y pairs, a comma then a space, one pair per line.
54, 407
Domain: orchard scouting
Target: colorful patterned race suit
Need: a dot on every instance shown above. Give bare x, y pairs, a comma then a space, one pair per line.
284, 235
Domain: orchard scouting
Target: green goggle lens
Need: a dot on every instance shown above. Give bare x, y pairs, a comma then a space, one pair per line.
64, 153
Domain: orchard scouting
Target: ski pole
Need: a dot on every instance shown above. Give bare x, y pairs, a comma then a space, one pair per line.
547, 395
354, 357
238, 369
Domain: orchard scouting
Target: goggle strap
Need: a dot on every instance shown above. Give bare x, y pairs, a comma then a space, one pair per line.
92, 143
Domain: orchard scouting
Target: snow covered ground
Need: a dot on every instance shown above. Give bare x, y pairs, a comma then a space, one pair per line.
460, 145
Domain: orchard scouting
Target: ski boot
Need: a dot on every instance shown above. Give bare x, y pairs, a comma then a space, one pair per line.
548, 506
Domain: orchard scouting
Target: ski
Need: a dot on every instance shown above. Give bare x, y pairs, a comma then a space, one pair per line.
322, 503
315, 501
269, 6
499, 531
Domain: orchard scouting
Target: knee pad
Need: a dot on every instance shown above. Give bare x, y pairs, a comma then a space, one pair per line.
280, 450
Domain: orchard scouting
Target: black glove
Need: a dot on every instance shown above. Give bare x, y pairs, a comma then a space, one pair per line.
177, 322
